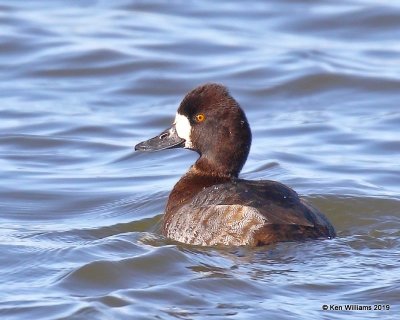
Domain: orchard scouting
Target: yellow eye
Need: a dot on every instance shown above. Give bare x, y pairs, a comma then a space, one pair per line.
200, 117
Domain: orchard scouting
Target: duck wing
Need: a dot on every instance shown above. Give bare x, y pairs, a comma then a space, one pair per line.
245, 212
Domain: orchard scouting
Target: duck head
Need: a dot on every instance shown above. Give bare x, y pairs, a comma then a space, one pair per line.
210, 122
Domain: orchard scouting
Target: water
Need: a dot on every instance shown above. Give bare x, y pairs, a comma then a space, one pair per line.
83, 82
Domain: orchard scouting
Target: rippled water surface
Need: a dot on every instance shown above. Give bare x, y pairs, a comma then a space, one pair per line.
82, 82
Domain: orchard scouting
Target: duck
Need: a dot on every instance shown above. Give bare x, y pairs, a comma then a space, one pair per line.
210, 205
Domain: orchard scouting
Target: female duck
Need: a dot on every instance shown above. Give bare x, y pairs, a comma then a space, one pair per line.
210, 205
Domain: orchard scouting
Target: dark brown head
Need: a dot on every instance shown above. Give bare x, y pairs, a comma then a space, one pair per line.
212, 123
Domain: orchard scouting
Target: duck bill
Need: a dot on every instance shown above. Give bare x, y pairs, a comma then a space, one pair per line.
167, 139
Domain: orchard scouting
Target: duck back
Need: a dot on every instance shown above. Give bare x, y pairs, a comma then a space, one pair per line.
241, 212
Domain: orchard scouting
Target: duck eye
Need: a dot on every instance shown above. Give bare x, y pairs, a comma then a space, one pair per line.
200, 117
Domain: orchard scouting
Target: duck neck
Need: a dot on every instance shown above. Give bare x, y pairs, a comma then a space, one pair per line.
205, 166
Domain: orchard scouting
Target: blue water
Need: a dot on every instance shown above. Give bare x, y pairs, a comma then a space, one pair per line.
82, 82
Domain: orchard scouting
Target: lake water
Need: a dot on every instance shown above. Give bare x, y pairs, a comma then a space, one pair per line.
82, 82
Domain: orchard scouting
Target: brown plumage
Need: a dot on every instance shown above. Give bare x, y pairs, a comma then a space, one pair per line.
240, 212
210, 205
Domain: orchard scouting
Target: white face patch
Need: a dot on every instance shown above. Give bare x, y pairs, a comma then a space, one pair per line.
183, 129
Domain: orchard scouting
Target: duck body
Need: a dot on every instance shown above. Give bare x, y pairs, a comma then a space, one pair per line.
240, 212
210, 205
